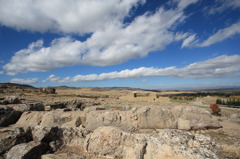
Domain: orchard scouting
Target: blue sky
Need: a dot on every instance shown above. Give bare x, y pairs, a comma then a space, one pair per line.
161, 44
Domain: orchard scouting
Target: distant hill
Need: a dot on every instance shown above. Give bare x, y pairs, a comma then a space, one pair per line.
15, 86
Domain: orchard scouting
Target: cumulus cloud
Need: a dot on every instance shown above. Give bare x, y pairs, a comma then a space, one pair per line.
112, 44
219, 36
71, 16
219, 67
24, 81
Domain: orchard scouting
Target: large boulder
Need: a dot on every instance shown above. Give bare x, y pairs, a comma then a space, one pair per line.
67, 136
76, 104
73, 137
126, 120
8, 116
27, 107
192, 118
45, 134
27, 150
30, 118
61, 118
168, 143
52, 118
12, 136
48, 90
60, 137
178, 117
155, 118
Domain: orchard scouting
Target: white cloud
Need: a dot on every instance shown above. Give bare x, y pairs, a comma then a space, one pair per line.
219, 67
1, 72
189, 41
71, 16
221, 5
219, 36
52, 78
24, 81
112, 44
222, 34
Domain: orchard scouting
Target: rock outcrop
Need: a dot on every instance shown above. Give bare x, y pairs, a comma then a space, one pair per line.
30, 118
27, 107
11, 100
27, 150
111, 141
185, 118
62, 118
107, 142
13, 136
73, 105
126, 120
8, 116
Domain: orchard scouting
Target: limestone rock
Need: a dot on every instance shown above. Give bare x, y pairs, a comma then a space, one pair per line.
76, 104
155, 118
105, 141
12, 136
52, 118
184, 124
45, 134
27, 150
111, 141
27, 107
32, 118
234, 116
62, 156
36, 107
168, 143
8, 116
199, 118
11, 100
175, 117
59, 136
73, 136
58, 105
123, 119
93, 108
61, 118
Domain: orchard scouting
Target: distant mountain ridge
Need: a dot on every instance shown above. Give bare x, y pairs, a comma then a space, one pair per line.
14, 85
26, 86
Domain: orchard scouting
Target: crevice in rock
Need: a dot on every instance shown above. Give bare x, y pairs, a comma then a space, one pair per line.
143, 151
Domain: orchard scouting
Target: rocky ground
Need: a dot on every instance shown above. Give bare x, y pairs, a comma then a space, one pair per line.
103, 123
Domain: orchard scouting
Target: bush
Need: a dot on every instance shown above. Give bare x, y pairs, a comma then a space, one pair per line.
215, 109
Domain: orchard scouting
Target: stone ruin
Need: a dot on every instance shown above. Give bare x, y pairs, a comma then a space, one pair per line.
48, 90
